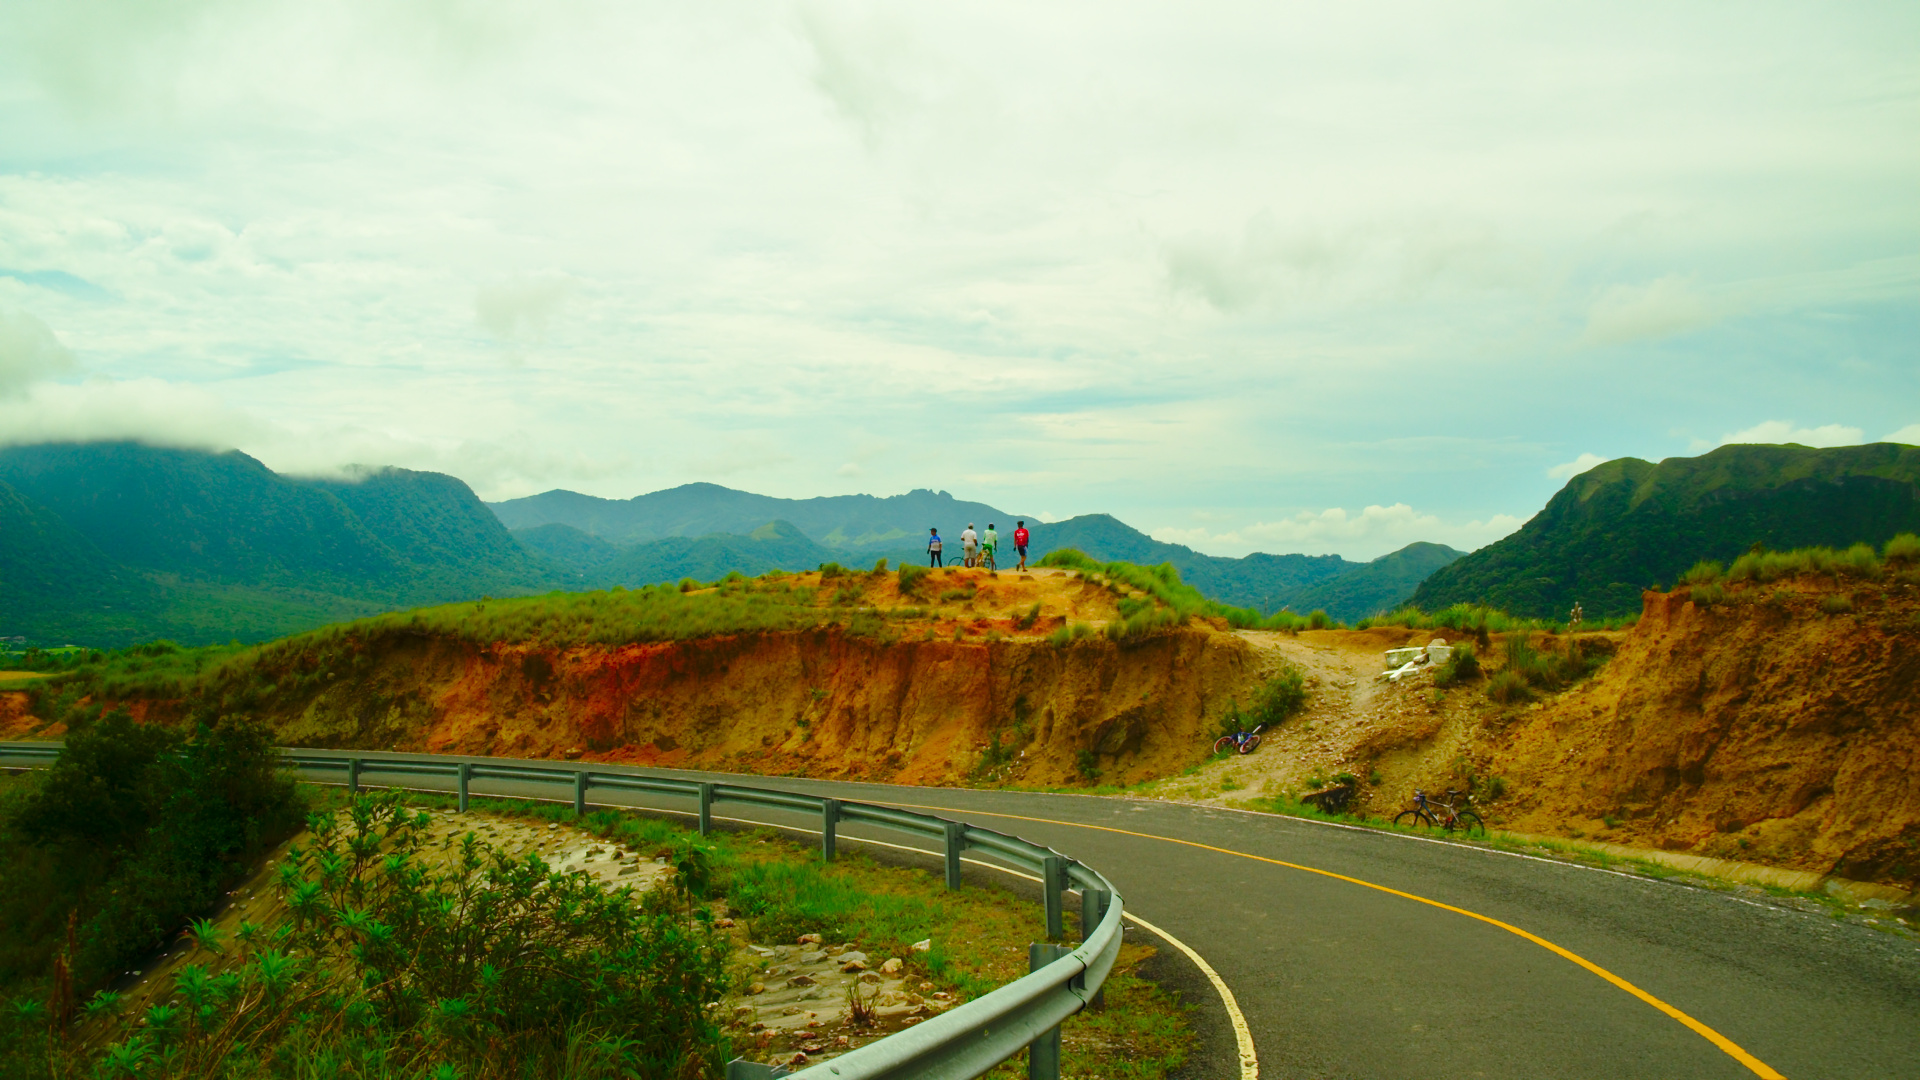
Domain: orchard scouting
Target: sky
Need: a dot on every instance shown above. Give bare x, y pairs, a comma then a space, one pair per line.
1248, 276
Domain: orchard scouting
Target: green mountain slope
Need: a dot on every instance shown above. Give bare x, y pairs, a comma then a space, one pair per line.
1375, 587
1628, 524
119, 542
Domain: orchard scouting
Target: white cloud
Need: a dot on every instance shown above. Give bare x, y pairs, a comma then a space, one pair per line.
1776, 432
141, 410
521, 309
28, 353
1909, 435
1372, 532
1661, 308
1576, 466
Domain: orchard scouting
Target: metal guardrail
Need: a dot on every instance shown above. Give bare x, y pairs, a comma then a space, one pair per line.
957, 1045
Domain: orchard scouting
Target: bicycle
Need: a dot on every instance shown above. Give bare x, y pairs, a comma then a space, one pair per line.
1241, 741
1433, 813
986, 558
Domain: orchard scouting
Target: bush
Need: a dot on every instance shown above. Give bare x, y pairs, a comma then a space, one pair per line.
1836, 604
1461, 666
1903, 549
135, 829
880, 565
495, 967
1319, 620
1509, 687
831, 570
1087, 763
911, 579
1280, 697
1704, 572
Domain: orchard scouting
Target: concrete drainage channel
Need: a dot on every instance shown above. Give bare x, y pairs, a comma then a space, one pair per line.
962, 1043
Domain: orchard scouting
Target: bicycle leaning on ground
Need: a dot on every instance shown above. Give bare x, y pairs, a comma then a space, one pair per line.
1241, 741
1433, 813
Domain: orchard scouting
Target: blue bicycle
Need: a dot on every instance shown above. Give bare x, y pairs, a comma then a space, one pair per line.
1242, 742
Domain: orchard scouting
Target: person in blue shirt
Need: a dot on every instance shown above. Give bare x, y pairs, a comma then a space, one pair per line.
933, 547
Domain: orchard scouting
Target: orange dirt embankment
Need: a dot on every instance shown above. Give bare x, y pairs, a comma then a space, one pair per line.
1764, 728
911, 699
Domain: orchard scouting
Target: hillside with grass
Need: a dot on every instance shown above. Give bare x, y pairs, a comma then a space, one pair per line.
1628, 525
113, 543
1076, 671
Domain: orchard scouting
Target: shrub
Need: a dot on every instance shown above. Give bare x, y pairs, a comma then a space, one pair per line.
880, 565
1704, 572
1087, 763
1836, 604
1319, 620
831, 570
1707, 595
911, 579
1903, 549
1508, 687
1280, 697
1461, 666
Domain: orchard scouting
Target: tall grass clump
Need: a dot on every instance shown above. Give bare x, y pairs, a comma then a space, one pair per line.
1461, 666
1902, 550
1858, 561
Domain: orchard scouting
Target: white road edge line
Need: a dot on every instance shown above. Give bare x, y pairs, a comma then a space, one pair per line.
1249, 1063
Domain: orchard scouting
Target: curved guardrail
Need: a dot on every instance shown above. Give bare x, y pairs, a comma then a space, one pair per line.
959, 1044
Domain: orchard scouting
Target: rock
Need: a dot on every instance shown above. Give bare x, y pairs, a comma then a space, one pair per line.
796, 1060
942, 995
743, 1012
870, 978
842, 1041
812, 957
809, 939
801, 980
757, 988
553, 826
892, 966
761, 949
851, 957
923, 945
724, 924
915, 999
853, 966
835, 950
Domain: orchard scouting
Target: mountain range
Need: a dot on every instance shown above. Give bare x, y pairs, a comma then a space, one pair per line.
698, 530
1629, 524
111, 543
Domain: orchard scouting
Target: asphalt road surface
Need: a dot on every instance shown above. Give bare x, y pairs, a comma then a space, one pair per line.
1339, 977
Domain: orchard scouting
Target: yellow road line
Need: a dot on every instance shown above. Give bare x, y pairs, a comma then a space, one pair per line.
1731, 1048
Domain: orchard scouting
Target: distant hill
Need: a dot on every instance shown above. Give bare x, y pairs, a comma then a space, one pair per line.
108, 543
594, 539
1628, 524
1377, 586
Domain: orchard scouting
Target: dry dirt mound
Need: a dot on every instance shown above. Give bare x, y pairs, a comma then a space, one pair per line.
968, 675
1769, 729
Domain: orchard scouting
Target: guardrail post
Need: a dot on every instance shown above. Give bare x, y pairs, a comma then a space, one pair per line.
1043, 1053
580, 794
466, 781
706, 809
1093, 908
1053, 869
353, 775
956, 843
829, 823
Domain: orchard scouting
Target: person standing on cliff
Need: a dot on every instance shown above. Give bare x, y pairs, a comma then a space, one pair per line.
969, 543
1020, 542
933, 547
989, 546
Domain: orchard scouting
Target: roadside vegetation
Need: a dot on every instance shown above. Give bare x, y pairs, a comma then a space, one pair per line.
1711, 582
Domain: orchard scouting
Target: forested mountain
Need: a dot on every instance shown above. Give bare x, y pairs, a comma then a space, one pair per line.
1628, 524
108, 543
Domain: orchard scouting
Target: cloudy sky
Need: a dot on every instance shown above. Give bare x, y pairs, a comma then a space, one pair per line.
1260, 276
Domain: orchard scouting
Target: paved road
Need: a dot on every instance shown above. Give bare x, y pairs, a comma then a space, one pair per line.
1341, 980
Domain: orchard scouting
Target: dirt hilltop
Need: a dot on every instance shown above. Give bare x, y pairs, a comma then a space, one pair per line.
919, 699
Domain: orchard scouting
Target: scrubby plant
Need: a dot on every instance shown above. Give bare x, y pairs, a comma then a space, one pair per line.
1319, 620
1460, 666
831, 570
1903, 549
1704, 572
1028, 617
912, 578
1509, 687
1087, 764
1836, 603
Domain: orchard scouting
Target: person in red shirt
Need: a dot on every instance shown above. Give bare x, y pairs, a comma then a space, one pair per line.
1020, 542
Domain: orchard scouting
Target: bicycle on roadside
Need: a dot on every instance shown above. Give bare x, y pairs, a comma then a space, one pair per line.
1242, 742
1433, 813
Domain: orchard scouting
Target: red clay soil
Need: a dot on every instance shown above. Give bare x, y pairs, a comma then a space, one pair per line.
1761, 728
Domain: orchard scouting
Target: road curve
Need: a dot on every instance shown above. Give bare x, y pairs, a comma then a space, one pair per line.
1342, 979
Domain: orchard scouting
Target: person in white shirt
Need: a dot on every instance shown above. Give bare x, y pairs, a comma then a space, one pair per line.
970, 544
